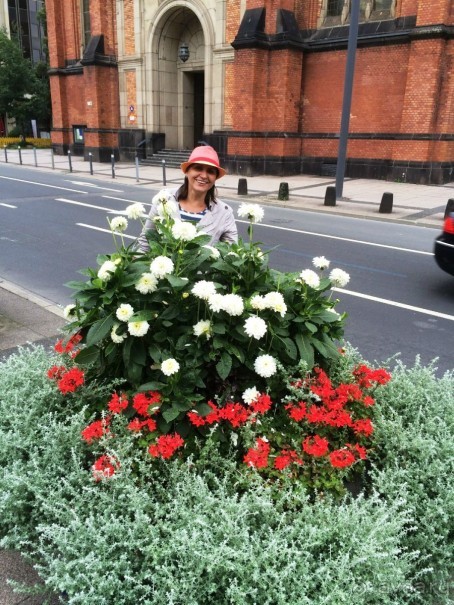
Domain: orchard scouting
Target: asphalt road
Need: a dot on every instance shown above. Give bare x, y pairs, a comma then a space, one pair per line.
398, 301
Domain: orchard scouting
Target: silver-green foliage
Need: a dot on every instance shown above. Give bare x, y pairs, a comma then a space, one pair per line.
184, 535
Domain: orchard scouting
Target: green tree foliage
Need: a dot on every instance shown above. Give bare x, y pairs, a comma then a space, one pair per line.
24, 88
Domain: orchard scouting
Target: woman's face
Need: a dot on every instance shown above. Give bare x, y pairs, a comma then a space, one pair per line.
201, 177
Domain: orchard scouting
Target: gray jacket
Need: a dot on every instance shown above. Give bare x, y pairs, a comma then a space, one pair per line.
218, 222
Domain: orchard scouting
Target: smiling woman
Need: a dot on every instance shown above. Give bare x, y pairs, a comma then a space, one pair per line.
195, 201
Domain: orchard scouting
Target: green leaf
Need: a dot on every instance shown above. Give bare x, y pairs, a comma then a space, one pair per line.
99, 330
155, 353
305, 350
171, 414
154, 385
176, 282
88, 356
218, 328
328, 316
203, 409
311, 327
224, 365
290, 348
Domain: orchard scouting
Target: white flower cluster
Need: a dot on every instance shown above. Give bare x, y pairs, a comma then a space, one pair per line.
272, 300
203, 328
250, 395
310, 278
119, 224
136, 211
184, 231
170, 366
166, 205
265, 366
338, 277
252, 212
147, 283
106, 270
255, 327
161, 266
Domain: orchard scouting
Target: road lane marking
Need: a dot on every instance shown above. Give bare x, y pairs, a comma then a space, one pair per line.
76, 203
7, 205
343, 239
105, 231
10, 178
121, 199
393, 303
84, 184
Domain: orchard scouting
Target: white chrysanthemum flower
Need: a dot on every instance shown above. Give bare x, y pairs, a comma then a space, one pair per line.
214, 252
250, 395
276, 302
166, 205
252, 212
233, 304
216, 302
138, 328
320, 262
119, 224
68, 311
170, 366
184, 231
203, 327
106, 270
135, 211
310, 278
204, 289
124, 312
147, 283
117, 338
265, 366
258, 302
255, 327
161, 266
339, 278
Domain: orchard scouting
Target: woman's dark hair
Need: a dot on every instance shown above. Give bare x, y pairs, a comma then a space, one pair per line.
183, 191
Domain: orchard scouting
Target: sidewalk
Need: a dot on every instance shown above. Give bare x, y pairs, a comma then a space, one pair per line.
26, 318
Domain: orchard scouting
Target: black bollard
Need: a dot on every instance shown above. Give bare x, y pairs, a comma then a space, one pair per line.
449, 207
330, 196
283, 192
386, 205
242, 186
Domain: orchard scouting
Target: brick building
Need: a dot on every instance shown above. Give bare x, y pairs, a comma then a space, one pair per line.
262, 80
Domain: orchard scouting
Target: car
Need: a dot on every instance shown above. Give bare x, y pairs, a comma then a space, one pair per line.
444, 245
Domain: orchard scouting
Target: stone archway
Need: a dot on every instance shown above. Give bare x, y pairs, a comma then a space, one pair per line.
178, 88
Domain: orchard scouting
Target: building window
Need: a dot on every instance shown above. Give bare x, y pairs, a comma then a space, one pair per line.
78, 134
337, 12
86, 22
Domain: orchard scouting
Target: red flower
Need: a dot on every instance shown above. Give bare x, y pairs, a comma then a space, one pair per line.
95, 430
285, 458
137, 425
366, 377
316, 414
363, 426
70, 380
104, 467
298, 411
197, 420
315, 445
56, 372
118, 403
358, 449
69, 346
258, 456
262, 404
368, 401
142, 401
235, 413
341, 458
166, 446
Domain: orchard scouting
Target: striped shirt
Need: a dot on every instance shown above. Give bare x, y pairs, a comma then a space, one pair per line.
193, 217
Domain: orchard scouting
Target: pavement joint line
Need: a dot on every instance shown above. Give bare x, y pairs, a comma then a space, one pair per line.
44, 303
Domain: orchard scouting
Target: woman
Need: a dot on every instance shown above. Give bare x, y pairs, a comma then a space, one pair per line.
196, 200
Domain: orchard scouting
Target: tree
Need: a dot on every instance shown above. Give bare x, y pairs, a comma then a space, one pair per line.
24, 89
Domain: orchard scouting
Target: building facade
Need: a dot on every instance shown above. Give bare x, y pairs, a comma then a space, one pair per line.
261, 80
20, 18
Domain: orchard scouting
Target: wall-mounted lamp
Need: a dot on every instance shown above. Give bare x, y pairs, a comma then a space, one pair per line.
183, 52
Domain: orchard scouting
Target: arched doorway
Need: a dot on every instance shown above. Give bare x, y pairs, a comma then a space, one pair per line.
177, 87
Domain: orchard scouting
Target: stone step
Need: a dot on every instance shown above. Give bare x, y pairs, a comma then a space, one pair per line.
173, 158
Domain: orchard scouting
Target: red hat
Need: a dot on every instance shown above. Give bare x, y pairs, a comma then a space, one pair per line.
204, 155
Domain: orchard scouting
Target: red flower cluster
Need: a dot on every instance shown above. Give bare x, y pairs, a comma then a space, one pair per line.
166, 446
96, 430
104, 467
69, 346
285, 458
257, 456
118, 403
367, 377
316, 445
236, 414
142, 402
136, 425
67, 380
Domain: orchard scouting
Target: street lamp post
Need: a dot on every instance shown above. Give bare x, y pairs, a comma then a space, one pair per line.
347, 99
